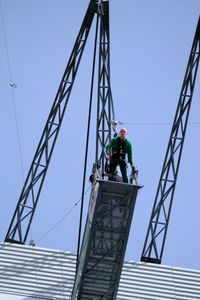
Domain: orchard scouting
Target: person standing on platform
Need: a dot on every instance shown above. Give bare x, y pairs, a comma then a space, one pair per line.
117, 150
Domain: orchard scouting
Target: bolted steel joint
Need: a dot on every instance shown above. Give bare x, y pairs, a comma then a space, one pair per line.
99, 6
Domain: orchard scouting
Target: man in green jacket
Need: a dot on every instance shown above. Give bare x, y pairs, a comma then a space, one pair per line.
117, 150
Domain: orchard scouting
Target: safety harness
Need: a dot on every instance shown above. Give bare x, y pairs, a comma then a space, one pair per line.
121, 151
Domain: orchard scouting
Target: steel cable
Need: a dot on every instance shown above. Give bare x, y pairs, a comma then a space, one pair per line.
87, 142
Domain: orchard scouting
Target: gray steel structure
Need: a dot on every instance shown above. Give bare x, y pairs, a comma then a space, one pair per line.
21, 221
105, 238
159, 221
105, 109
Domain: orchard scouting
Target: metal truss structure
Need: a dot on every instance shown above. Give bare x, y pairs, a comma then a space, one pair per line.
20, 224
19, 228
104, 91
159, 221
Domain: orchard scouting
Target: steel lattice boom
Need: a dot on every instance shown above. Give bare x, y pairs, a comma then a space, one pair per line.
157, 230
104, 91
25, 209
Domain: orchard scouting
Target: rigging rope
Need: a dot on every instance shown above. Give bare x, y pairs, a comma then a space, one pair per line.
12, 85
64, 217
112, 104
154, 123
87, 141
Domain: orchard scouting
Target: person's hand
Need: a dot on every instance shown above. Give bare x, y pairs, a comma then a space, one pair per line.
133, 169
107, 155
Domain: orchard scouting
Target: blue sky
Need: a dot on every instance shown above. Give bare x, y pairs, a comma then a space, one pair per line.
150, 46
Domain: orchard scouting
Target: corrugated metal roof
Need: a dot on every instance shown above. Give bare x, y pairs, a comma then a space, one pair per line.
37, 272
40, 273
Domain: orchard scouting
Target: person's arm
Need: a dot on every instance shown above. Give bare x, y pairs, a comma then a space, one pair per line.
129, 152
108, 148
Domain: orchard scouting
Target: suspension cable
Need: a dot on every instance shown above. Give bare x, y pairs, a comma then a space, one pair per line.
152, 123
12, 85
66, 214
87, 141
112, 104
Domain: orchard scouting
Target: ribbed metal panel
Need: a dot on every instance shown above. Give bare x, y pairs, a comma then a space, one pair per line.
36, 272
156, 282
39, 273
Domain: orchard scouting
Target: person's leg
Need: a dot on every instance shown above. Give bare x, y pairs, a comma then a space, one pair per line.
123, 169
112, 168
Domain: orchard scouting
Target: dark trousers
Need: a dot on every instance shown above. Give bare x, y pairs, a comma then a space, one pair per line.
114, 162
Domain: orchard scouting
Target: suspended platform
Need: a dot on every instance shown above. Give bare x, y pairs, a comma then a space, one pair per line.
105, 239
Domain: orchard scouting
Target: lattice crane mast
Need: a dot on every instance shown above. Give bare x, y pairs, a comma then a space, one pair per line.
159, 220
21, 221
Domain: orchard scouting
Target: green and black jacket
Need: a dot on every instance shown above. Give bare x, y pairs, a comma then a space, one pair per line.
118, 146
